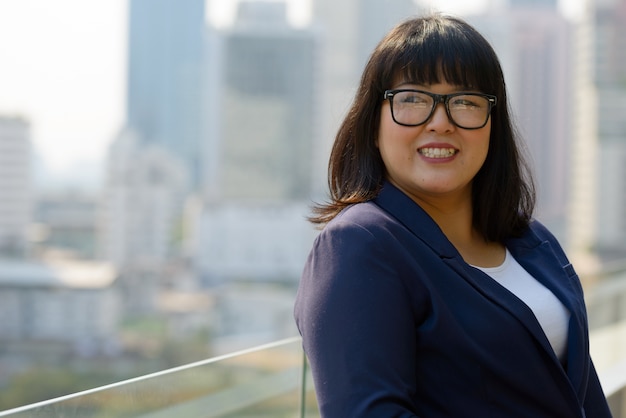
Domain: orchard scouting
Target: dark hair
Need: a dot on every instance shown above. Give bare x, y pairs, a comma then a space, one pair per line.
422, 51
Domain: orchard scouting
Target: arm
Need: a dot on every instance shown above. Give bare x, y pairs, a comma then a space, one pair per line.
595, 404
358, 327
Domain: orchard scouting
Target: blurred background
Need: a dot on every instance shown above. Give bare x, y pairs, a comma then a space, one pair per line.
158, 159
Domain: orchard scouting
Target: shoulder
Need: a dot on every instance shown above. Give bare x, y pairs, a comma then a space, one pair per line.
538, 234
362, 219
541, 231
365, 214
360, 235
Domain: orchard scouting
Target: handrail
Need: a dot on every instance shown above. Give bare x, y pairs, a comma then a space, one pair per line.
233, 399
159, 374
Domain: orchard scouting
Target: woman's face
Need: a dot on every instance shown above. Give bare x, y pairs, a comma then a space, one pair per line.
433, 160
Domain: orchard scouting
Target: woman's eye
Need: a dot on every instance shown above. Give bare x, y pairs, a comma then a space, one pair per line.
413, 99
464, 102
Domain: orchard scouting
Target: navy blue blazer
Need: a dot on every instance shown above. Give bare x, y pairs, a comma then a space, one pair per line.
395, 324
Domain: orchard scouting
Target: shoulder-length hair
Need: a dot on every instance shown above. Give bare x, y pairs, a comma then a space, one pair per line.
430, 50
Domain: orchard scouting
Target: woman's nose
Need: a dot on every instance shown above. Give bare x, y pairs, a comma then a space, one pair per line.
439, 120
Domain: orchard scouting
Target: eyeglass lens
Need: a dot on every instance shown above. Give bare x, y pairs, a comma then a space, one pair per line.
414, 108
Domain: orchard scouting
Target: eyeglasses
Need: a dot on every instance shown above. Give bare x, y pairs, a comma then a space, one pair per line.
415, 107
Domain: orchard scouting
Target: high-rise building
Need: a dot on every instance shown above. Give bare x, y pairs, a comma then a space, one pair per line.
267, 112
141, 205
166, 78
251, 224
610, 80
583, 204
551, 4
67, 221
16, 200
610, 31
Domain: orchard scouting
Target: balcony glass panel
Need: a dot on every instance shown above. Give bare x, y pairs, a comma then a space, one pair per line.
266, 381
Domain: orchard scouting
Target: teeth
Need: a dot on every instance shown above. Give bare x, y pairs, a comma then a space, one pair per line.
437, 152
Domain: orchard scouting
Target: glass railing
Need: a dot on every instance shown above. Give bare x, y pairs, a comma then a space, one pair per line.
266, 381
273, 380
606, 304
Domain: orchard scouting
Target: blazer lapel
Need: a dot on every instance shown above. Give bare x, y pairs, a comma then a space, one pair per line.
535, 255
417, 221
501, 296
539, 258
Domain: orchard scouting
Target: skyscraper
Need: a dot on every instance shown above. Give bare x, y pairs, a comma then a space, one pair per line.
263, 119
550, 4
15, 186
583, 199
142, 204
165, 103
610, 80
267, 106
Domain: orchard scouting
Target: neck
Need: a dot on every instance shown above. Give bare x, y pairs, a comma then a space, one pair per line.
456, 222
453, 214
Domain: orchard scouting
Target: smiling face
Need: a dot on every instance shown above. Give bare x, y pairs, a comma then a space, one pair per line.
433, 160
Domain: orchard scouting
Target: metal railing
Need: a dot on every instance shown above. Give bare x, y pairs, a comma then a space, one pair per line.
266, 381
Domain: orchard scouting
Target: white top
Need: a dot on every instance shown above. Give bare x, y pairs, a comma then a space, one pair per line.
548, 309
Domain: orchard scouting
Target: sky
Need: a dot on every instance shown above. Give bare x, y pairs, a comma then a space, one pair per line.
63, 67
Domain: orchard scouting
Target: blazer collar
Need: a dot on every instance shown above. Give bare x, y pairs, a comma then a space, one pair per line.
413, 217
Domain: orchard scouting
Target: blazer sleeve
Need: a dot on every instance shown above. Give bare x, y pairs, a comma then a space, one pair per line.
357, 325
595, 404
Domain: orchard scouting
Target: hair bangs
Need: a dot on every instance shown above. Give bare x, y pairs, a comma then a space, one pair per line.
443, 53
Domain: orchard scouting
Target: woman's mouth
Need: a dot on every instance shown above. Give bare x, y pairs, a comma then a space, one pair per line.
437, 152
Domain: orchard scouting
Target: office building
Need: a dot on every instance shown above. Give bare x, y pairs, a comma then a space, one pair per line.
142, 204
16, 195
610, 81
253, 243
267, 107
49, 301
250, 225
534, 4
583, 201
66, 221
166, 78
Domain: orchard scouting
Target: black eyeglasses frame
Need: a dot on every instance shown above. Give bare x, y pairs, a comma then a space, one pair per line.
441, 98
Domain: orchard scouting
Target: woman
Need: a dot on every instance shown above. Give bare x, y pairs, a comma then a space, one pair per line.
431, 292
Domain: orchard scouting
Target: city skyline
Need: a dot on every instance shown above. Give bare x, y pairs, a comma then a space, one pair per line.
67, 76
